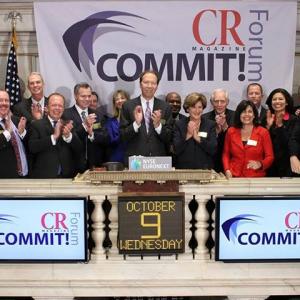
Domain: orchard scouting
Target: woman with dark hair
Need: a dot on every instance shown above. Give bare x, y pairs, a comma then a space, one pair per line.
195, 140
280, 122
116, 147
248, 148
294, 145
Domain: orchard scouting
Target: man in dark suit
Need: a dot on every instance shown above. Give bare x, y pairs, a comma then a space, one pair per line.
223, 118
146, 121
53, 143
174, 100
13, 159
89, 126
255, 95
34, 107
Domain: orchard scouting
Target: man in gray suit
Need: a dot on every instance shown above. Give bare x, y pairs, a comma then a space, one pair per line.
146, 121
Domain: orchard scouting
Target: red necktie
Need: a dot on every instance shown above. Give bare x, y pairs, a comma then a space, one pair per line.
17, 152
15, 146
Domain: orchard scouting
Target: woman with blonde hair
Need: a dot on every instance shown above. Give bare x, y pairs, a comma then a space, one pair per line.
116, 147
195, 139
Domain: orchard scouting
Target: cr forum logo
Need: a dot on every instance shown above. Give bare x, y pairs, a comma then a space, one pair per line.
80, 37
231, 225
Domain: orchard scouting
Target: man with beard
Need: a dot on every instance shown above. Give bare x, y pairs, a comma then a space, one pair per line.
13, 159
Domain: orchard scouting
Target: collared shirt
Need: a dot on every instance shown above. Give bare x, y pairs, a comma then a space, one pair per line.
7, 133
41, 102
17, 139
144, 106
80, 110
259, 109
53, 140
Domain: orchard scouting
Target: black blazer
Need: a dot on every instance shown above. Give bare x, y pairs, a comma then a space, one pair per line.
141, 142
93, 152
47, 159
8, 161
262, 117
191, 154
23, 109
218, 165
294, 141
281, 146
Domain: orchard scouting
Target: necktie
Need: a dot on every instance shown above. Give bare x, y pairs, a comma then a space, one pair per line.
22, 167
14, 143
54, 124
83, 115
147, 116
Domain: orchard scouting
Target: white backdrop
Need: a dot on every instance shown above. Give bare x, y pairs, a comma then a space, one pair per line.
195, 45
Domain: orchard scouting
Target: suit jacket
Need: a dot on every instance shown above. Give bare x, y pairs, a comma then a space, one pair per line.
8, 161
262, 117
141, 142
280, 139
236, 155
48, 159
221, 136
23, 109
171, 148
116, 148
191, 154
93, 152
294, 141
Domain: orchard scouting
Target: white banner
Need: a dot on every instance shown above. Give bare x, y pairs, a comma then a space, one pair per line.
195, 45
43, 229
258, 228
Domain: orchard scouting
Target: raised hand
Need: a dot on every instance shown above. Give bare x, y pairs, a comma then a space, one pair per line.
67, 128
57, 129
138, 114
270, 119
36, 111
156, 117
221, 122
22, 125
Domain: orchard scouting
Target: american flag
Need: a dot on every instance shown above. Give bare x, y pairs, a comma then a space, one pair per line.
12, 83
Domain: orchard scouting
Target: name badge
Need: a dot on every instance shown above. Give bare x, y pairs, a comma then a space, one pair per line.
96, 125
202, 134
251, 142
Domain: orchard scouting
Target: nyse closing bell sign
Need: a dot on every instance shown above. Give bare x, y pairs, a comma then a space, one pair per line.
151, 224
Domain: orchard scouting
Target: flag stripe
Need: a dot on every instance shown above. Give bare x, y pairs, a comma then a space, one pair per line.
12, 82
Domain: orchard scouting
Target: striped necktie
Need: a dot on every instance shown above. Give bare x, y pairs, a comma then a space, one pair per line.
147, 116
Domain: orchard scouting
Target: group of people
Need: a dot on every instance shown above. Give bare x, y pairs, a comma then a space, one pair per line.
40, 138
